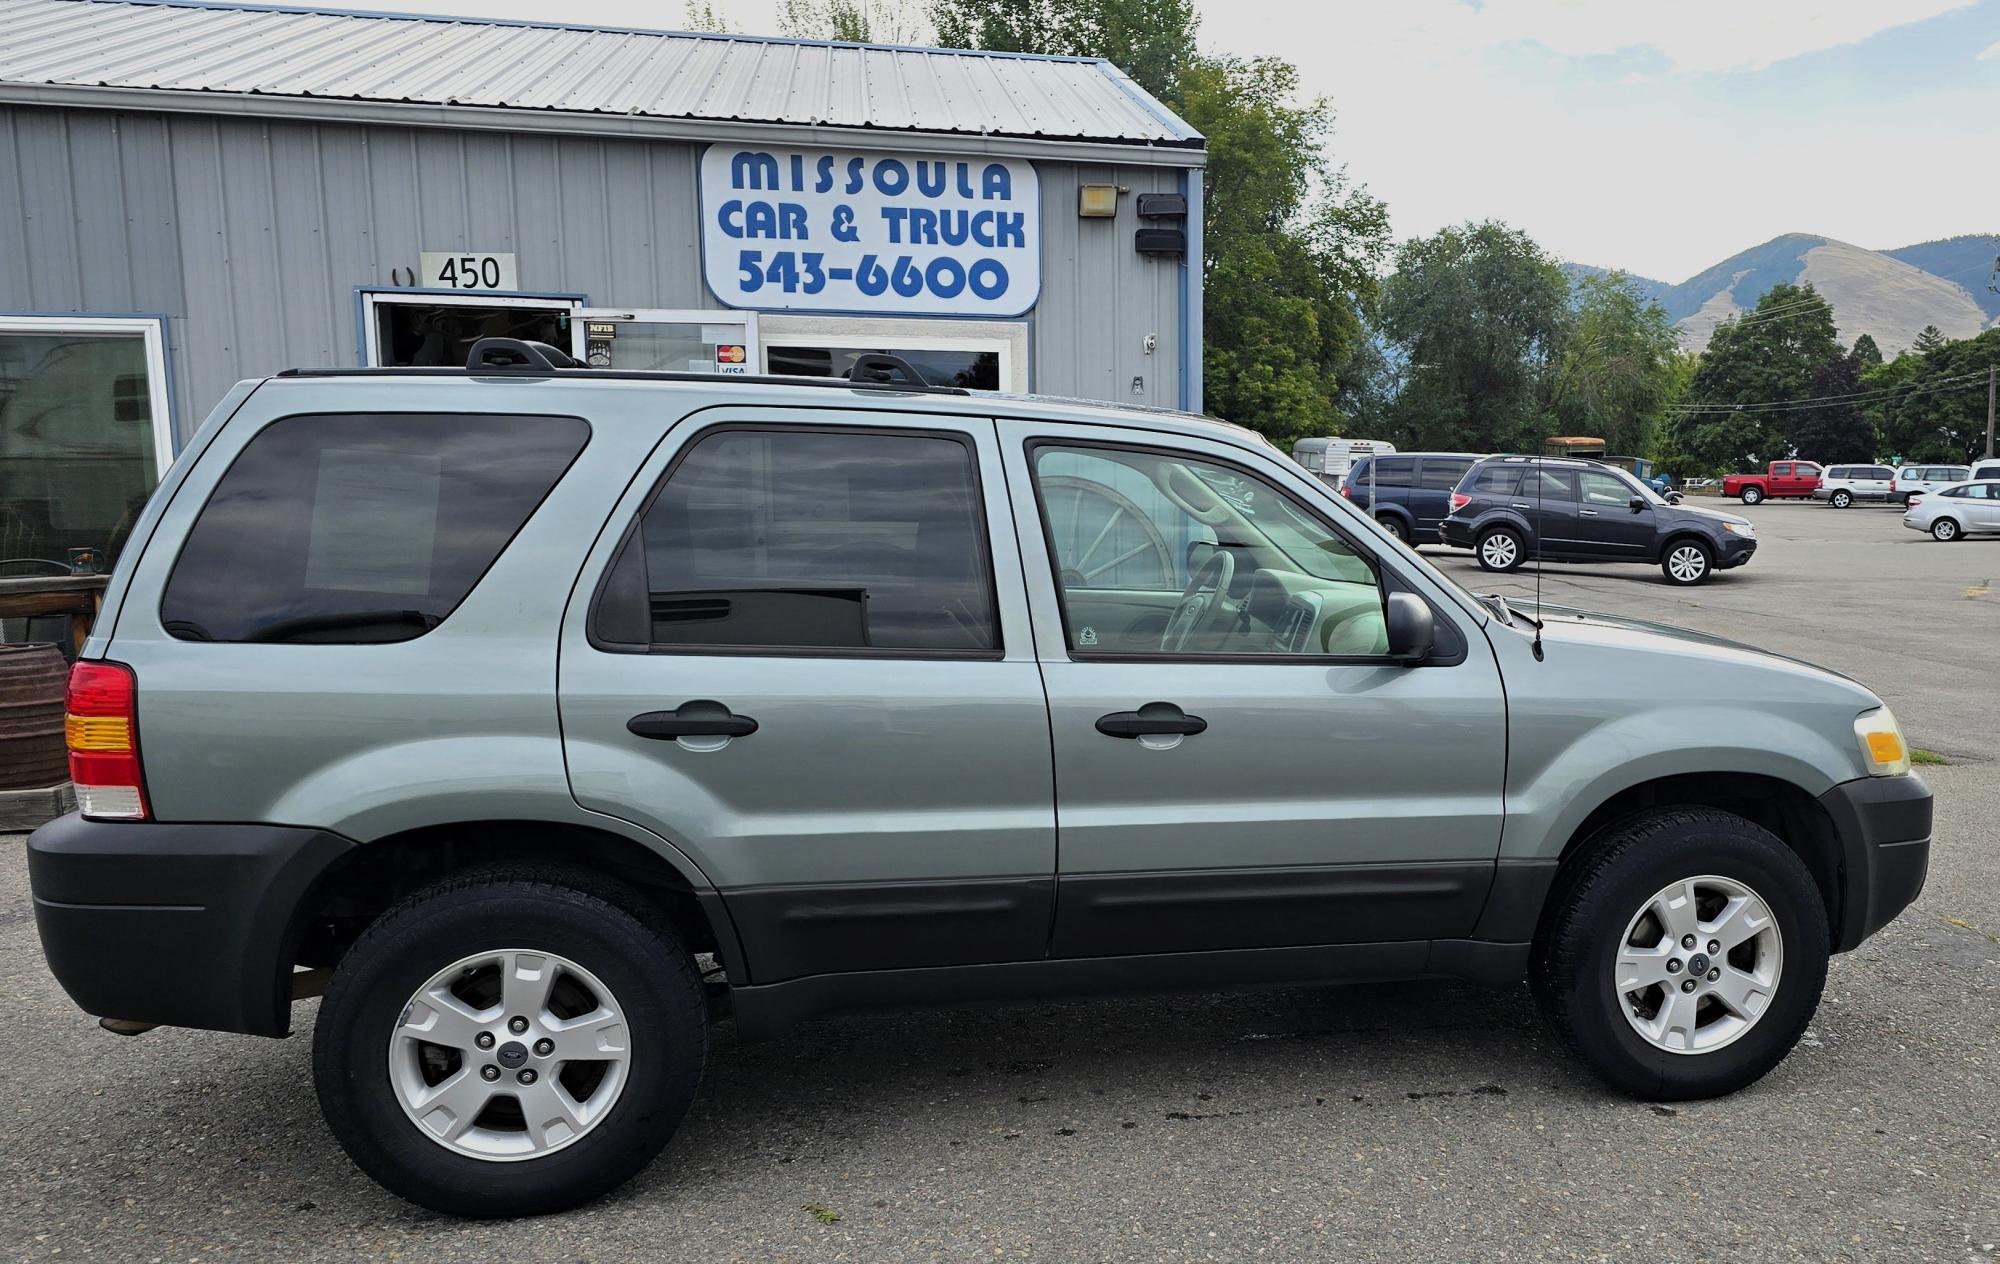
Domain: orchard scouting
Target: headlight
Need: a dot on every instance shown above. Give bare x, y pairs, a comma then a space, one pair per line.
1882, 745
1740, 528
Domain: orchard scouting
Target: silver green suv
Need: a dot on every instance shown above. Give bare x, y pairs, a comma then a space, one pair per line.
539, 715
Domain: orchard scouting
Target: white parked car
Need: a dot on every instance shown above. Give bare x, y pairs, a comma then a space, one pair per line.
1951, 512
1842, 485
1921, 480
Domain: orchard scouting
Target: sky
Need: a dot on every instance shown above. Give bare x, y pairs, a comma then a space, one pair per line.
1657, 136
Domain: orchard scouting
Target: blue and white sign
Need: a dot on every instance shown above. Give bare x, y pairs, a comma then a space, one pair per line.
818, 230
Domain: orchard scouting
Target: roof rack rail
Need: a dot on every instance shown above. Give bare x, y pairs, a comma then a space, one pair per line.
576, 372
518, 353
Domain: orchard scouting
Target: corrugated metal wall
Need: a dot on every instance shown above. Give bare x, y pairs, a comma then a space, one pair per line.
252, 237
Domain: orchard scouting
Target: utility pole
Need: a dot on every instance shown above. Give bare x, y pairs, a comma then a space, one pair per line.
1991, 371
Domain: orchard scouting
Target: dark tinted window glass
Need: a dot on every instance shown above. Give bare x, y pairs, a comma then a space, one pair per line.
1394, 471
1497, 480
1441, 473
361, 528
1879, 471
1548, 485
809, 539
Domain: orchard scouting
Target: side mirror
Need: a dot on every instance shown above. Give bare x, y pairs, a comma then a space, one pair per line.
1410, 628
1637, 503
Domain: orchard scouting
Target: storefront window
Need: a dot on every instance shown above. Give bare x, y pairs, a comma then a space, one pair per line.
972, 369
79, 442
440, 334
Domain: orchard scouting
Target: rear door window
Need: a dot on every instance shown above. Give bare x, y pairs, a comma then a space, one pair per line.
356, 528
1781, 470
811, 540
1496, 480
1394, 471
1441, 473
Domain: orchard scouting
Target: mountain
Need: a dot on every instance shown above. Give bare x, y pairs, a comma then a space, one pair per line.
1888, 294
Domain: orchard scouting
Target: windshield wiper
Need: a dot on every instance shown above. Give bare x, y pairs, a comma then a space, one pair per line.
286, 629
1505, 611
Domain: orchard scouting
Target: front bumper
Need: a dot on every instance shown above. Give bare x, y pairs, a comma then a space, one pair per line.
181, 925
1884, 828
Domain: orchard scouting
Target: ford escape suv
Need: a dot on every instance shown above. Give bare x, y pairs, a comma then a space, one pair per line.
495, 701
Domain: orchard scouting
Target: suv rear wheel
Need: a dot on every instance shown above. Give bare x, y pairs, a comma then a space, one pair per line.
1752, 494
1500, 549
508, 1043
1685, 956
1686, 562
1841, 499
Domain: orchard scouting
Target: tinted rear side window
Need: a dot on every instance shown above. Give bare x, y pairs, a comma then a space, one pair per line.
1441, 473
347, 528
1395, 471
1497, 480
810, 540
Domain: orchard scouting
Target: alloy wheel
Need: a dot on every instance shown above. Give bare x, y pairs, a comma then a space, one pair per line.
1698, 965
1499, 550
1687, 563
1945, 529
509, 1055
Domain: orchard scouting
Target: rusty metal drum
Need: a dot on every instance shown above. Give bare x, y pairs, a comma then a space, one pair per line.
32, 682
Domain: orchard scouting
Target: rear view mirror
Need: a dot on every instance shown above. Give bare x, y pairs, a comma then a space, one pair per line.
1410, 627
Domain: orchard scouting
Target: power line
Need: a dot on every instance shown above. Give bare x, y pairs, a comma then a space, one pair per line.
1956, 382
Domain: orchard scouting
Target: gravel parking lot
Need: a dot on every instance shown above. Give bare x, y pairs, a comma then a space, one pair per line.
1420, 1122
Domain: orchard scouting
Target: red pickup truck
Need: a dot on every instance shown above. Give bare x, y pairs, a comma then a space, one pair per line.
1784, 478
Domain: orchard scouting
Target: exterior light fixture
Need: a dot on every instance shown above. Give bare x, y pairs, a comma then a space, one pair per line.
1097, 201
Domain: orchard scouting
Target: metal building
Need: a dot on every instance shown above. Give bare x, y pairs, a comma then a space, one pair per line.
193, 193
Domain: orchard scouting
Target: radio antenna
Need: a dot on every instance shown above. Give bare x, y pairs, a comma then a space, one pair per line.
1541, 486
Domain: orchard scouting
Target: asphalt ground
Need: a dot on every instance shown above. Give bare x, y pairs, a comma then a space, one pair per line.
1407, 1122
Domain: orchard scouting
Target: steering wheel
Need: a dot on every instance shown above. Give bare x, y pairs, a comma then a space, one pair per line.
1203, 607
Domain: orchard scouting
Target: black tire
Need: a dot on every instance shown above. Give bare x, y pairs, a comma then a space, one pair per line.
1596, 898
1694, 561
599, 926
1945, 530
1752, 494
1394, 526
1506, 556
1842, 499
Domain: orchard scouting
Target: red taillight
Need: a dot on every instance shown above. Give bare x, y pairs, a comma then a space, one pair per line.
1459, 500
1347, 490
1892, 484
101, 727
1915, 501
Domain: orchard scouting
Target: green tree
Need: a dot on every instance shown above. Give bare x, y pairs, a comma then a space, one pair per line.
855, 21
1616, 366
1940, 412
1150, 40
702, 15
1480, 315
1930, 338
1837, 430
1767, 357
1292, 249
1866, 353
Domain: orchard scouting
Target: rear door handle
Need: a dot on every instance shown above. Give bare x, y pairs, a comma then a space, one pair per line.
1587, 513
691, 719
1155, 719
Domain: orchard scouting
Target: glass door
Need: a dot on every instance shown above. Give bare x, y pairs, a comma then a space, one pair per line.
664, 340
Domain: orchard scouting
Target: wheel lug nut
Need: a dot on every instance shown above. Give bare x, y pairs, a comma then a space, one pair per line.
489, 1073
1674, 966
484, 1040
517, 1025
526, 1077
1714, 974
543, 1048
1688, 986
1687, 941
1714, 946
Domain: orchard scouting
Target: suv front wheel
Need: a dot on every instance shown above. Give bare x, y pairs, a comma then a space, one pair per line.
508, 1043
1687, 562
1684, 957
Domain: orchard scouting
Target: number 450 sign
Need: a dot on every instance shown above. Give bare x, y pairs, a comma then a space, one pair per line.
458, 270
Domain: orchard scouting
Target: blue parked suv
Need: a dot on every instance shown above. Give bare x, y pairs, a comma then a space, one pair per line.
1409, 492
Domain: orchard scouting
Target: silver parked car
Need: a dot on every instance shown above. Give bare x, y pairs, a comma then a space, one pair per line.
1952, 512
1921, 480
1842, 485
494, 698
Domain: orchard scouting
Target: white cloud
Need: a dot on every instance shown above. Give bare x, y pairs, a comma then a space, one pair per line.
1992, 52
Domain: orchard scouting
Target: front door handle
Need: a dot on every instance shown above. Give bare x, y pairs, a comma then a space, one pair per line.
1155, 719
1522, 505
1587, 513
691, 719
